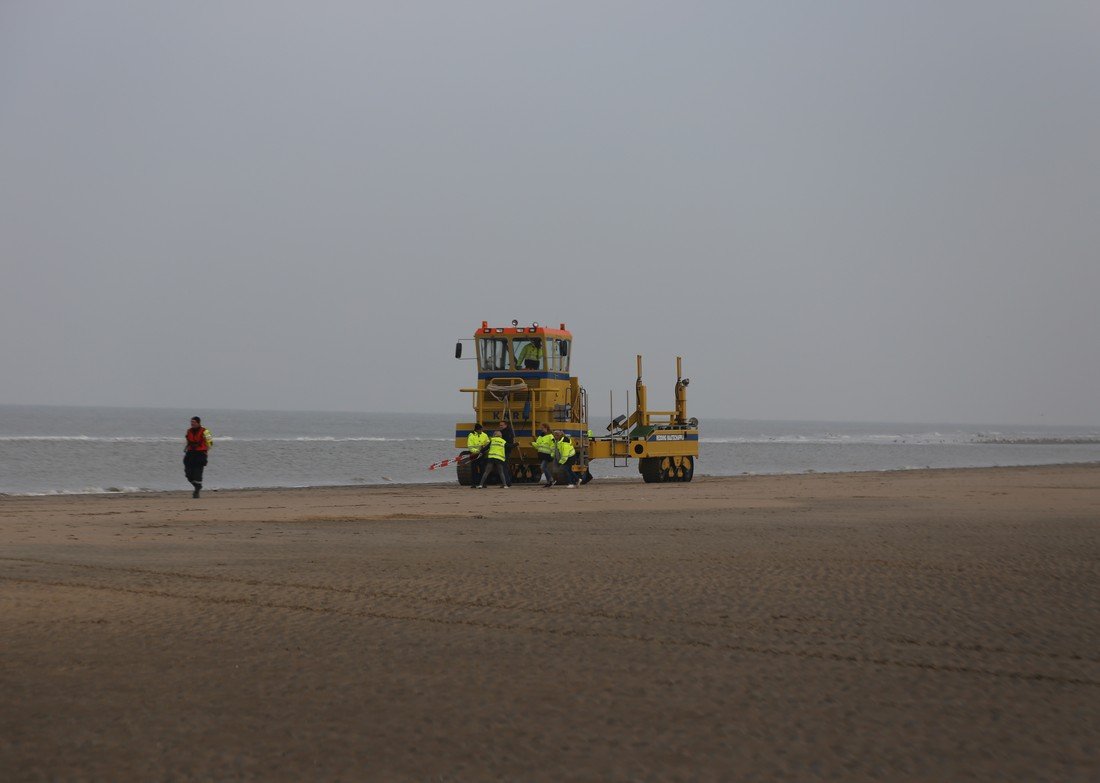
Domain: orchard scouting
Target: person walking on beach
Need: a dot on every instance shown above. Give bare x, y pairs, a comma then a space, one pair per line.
544, 445
567, 457
497, 457
199, 443
476, 443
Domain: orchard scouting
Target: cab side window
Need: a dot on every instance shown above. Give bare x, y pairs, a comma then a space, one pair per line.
492, 354
557, 359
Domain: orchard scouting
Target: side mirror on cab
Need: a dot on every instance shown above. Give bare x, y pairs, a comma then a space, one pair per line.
458, 350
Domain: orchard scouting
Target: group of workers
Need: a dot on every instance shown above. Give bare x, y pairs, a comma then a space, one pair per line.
489, 455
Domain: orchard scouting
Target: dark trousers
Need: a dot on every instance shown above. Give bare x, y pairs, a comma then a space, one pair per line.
567, 469
500, 468
193, 463
477, 467
546, 463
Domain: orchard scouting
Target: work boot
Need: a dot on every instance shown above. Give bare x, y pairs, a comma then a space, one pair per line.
195, 493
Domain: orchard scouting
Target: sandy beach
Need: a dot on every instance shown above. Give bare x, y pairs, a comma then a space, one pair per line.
921, 625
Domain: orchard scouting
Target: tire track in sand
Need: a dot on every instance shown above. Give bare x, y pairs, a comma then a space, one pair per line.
572, 633
817, 633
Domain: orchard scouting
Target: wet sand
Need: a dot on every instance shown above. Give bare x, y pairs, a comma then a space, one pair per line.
925, 625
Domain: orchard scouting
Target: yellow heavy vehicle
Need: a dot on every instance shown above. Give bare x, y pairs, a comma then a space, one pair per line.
523, 378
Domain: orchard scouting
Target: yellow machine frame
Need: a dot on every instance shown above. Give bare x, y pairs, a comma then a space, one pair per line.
540, 390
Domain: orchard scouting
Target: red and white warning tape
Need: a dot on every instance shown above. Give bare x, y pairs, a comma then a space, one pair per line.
452, 461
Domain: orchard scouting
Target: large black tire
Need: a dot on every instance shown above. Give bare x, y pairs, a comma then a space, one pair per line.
650, 468
659, 470
465, 472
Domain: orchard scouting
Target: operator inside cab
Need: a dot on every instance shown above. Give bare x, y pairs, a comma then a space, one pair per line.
530, 355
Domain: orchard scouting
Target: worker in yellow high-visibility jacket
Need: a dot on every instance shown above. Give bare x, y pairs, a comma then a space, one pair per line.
544, 445
566, 457
497, 455
530, 356
477, 443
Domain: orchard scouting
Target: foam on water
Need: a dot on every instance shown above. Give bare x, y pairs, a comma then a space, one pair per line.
83, 491
900, 438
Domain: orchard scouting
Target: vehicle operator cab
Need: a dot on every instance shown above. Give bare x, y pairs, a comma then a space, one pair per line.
523, 353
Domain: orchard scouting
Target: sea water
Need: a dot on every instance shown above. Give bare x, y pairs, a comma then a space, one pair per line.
47, 450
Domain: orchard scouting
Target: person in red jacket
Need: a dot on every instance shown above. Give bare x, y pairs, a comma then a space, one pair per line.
199, 441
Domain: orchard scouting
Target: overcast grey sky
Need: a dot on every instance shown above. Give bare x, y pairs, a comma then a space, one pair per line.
851, 210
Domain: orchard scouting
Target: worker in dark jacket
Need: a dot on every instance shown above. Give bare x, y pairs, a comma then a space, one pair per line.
509, 444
